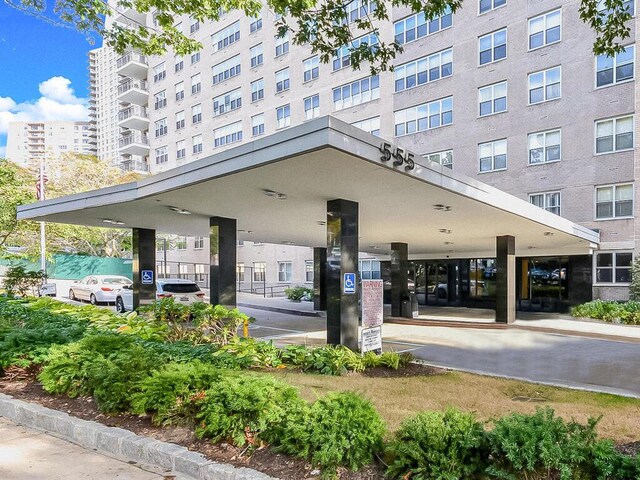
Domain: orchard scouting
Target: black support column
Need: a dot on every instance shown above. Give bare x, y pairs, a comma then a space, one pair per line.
319, 278
505, 279
144, 266
342, 261
399, 276
222, 261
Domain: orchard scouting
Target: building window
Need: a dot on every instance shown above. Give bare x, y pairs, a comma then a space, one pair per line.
196, 114
282, 80
179, 65
257, 90
617, 69
200, 272
358, 9
488, 5
628, 5
545, 85
493, 156
444, 158
181, 151
198, 243
355, 93
308, 270
283, 116
240, 272
257, 55
282, 44
312, 107
369, 269
493, 46
311, 68
545, 29
493, 99
226, 70
428, 69
614, 201
284, 271
160, 100
227, 102
161, 127
180, 120
196, 141
255, 25
161, 155
226, 36
424, 117
342, 56
181, 243
613, 267
179, 91
257, 125
228, 134
548, 201
417, 26
369, 125
194, 25
544, 147
196, 84
614, 135
259, 270
159, 72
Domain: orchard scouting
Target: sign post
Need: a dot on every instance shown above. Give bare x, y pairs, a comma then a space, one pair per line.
372, 315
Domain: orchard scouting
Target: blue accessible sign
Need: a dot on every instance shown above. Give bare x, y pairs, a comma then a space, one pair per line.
147, 277
349, 283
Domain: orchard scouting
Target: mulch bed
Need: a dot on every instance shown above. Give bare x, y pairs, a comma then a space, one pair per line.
23, 385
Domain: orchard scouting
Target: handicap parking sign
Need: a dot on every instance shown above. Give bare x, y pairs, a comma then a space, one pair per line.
147, 277
349, 283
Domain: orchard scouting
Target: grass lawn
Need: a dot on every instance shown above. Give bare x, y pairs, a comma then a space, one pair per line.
489, 397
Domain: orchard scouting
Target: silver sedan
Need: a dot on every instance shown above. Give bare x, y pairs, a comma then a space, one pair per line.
98, 288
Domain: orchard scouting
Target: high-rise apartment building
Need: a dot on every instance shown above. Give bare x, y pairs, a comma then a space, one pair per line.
505, 91
29, 142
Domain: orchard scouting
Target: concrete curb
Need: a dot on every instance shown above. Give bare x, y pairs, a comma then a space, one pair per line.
120, 443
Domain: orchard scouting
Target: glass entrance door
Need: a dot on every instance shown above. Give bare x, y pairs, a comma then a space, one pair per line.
441, 283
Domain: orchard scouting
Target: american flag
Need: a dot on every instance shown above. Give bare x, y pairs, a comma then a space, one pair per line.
40, 191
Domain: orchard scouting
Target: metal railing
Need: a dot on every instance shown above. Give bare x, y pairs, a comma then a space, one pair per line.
132, 111
133, 138
131, 57
130, 84
134, 166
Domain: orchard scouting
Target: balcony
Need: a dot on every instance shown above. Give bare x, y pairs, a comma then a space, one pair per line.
133, 91
134, 117
134, 143
133, 165
132, 65
130, 16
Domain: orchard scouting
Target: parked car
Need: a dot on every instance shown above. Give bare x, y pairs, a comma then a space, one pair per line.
182, 291
98, 288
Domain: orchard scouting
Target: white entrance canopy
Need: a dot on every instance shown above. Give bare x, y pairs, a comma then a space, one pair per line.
277, 187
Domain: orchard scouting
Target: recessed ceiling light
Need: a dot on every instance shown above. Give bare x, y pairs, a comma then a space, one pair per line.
448, 243
273, 194
440, 206
321, 222
445, 231
548, 234
181, 211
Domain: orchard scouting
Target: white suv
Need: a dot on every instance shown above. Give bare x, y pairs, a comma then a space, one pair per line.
182, 291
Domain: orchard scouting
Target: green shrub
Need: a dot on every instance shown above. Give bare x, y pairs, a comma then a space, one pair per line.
218, 324
166, 392
244, 409
19, 281
340, 429
249, 352
167, 311
609, 311
608, 464
298, 293
438, 445
106, 366
541, 446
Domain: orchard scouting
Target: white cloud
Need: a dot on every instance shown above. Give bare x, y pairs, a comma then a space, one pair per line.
58, 102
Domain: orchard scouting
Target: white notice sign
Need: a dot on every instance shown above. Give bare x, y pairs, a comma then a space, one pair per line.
372, 308
371, 339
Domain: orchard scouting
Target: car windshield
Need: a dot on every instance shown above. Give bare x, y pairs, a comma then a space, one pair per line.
181, 287
116, 281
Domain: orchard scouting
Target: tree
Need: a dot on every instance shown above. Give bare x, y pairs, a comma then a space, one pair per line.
634, 288
323, 25
18, 186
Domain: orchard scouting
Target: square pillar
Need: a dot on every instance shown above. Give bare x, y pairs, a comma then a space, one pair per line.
505, 279
144, 266
399, 276
319, 278
342, 263
222, 261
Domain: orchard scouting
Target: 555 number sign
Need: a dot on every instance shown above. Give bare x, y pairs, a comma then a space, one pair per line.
398, 155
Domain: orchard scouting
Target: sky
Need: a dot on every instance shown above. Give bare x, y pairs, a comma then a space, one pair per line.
44, 71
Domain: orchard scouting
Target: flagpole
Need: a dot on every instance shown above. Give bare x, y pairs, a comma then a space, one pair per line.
43, 243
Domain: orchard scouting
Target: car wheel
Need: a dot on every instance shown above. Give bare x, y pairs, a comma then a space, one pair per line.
72, 296
119, 305
93, 299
